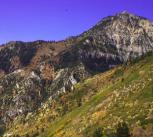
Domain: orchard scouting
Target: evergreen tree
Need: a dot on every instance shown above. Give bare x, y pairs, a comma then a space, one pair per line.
98, 132
122, 130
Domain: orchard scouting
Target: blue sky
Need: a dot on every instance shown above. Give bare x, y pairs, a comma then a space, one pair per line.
29, 20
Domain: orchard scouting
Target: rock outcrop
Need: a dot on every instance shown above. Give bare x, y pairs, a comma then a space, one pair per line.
32, 72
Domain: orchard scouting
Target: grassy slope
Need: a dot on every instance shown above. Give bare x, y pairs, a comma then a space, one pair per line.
124, 93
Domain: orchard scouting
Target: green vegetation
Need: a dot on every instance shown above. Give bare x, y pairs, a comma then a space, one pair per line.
97, 105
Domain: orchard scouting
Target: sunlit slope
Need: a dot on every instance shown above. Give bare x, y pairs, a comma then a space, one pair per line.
121, 94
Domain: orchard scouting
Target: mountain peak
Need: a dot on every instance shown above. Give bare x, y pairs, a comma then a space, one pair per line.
32, 73
125, 12
123, 16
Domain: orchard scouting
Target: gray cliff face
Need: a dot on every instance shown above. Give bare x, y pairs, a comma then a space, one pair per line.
31, 73
117, 39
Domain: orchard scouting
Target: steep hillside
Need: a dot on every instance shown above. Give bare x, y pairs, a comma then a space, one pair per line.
39, 80
121, 94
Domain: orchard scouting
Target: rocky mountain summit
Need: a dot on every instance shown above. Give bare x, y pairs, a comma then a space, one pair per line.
34, 72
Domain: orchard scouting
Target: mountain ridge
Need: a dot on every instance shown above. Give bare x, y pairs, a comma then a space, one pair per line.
33, 72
